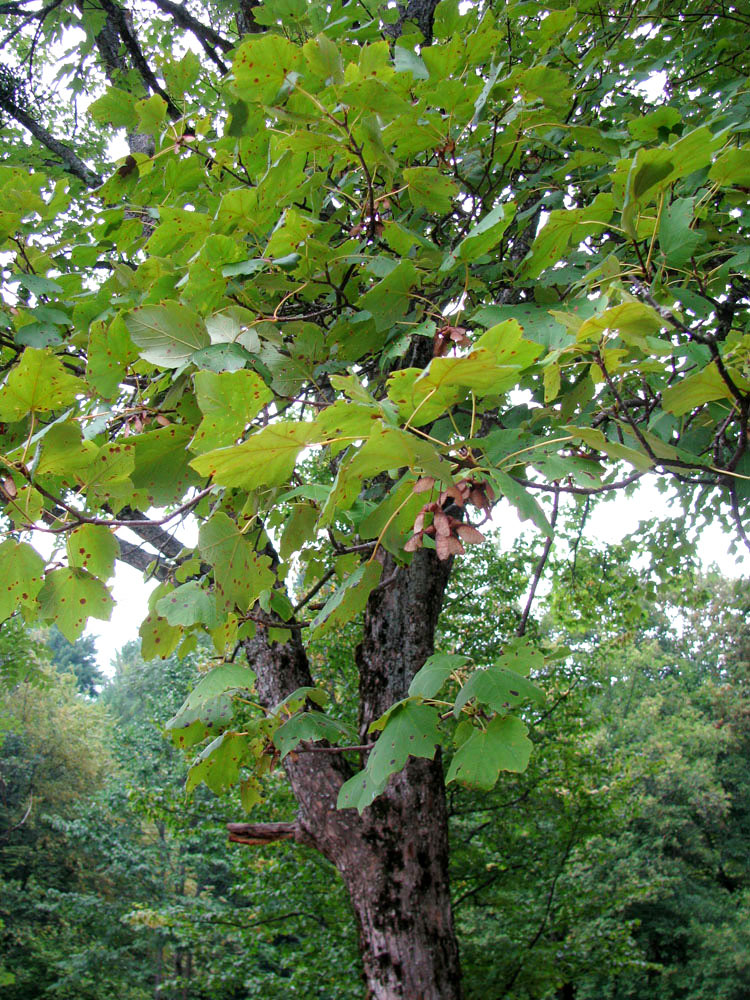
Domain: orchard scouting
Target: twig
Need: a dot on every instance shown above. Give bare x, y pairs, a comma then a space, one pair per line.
521, 630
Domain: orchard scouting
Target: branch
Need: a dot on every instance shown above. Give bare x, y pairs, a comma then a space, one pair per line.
521, 630
736, 514
264, 833
38, 15
73, 163
151, 532
20, 823
139, 60
138, 558
581, 491
203, 32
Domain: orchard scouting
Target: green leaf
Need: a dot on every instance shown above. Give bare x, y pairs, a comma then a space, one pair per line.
411, 729
678, 242
21, 569
264, 68
522, 656
482, 237
430, 189
69, 597
503, 746
94, 548
648, 174
221, 357
311, 727
189, 604
522, 500
434, 672
265, 459
652, 169
359, 792
297, 699
349, 600
38, 383
161, 472
167, 334
110, 353
535, 322
208, 707
386, 448
566, 226
299, 528
116, 107
241, 574
63, 450
151, 112
407, 61
389, 299
108, 473
218, 766
499, 688
732, 168
158, 637
228, 402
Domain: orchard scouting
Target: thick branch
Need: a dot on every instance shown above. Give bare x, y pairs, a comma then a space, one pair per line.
152, 533
246, 23
139, 558
72, 163
139, 60
264, 833
185, 19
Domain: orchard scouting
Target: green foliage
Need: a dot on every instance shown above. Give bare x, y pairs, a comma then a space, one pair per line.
344, 264
78, 658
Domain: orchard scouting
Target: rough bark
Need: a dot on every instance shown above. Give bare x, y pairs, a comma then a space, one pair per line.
246, 23
394, 858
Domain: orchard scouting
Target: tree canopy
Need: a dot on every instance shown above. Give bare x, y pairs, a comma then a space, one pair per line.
367, 275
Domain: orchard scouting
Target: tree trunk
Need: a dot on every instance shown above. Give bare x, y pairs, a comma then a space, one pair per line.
393, 858
397, 876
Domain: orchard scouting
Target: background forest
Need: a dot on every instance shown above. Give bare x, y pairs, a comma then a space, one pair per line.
615, 867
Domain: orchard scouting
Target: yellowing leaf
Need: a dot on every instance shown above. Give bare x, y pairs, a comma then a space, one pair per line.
38, 383
69, 597
265, 459
695, 390
228, 401
21, 569
94, 548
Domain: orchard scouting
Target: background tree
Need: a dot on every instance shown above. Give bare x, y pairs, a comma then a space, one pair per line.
450, 251
78, 658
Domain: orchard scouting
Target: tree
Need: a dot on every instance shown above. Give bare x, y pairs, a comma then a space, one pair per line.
77, 657
367, 274
51, 755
